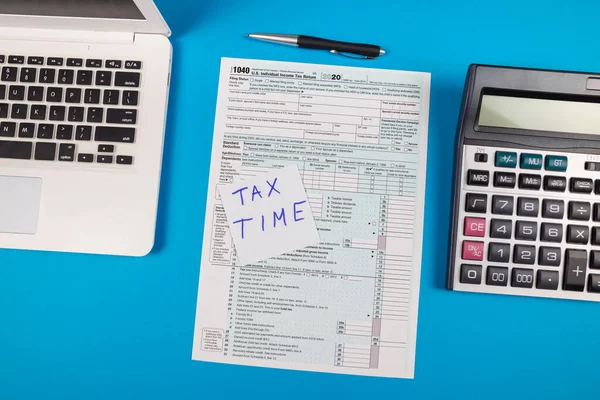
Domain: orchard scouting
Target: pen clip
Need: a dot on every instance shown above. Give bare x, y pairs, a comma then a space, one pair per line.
355, 57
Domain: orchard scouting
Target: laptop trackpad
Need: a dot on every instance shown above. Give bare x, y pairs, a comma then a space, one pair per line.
19, 204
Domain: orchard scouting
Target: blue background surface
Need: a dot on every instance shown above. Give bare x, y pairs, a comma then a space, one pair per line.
97, 327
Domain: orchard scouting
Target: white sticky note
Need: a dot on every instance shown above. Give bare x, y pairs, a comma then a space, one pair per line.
269, 215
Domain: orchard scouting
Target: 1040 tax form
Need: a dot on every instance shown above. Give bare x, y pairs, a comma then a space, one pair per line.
348, 304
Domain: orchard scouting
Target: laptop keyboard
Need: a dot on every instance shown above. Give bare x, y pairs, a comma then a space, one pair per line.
49, 106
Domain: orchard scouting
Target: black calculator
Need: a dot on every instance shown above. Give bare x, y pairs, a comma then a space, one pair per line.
526, 202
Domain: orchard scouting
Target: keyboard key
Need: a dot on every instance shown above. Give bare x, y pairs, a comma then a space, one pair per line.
9, 74
125, 160
38, 112
555, 183
499, 252
73, 95
2, 58
481, 157
524, 254
47, 75
130, 98
2, 92
8, 129
45, 151
92, 96
578, 234
528, 181
66, 76
64, 132
594, 259
76, 114
54, 95
28, 75
66, 152
472, 250
35, 93
594, 283
19, 111
505, 179
470, 274
74, 62
104, 159
551, 232
121, 116
531, 161
112, 134
84, 77
500, 228
506, 159
547, 280
35, 60
556, 163
95, 114
528, 207
522, 278
57, 113
112, 64
553, 209
93, 63
26, 130
55, 61
103, 78
15, 150
111, 97
109, 148
575, 269
83, 132
16, 93
478, 177
16, 59
86, 158
45, 131
128, 79
581, 185
497, 276
526, 230
133, 64
550, 256
3, 110
580, 210
502, 205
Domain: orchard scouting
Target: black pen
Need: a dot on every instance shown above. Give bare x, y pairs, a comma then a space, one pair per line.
369, 51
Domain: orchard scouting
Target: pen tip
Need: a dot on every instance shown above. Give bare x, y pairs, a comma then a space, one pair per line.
381, 52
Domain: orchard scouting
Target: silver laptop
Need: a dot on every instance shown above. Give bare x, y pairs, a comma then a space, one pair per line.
83, 99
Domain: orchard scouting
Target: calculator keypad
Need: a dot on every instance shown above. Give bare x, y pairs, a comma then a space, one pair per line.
529, 224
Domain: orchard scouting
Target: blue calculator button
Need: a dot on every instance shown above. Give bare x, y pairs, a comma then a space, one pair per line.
506, 159
556, 163
531, 161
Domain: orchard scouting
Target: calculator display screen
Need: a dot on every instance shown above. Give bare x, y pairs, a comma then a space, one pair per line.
540, 114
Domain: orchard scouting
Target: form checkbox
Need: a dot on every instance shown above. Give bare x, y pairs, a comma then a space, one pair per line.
383, 90
345, 86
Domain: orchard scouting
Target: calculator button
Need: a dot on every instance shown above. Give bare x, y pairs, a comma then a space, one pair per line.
476, 203
478, 177
555, 183
578, 234
524, 254
525, 230
596, 236
551, 232
575, 268
522, 277
472, 250
531, 161
595, 259
556, 163
474, 226
528, 181
506, 159
481, 157
501, 228
528, 207
596, 215
592, 166
581, 185
505, 179
580, 210
597, 186
547, 280
594, 283
502, 205
497, 276
470, 274
553, 209
549, 256
499, 252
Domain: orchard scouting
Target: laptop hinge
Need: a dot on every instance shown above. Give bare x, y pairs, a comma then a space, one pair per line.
59, 35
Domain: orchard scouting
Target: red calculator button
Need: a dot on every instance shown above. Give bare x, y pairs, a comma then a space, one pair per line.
472, 251
474, 226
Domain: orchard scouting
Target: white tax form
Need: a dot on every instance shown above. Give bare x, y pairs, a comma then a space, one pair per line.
359, 139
